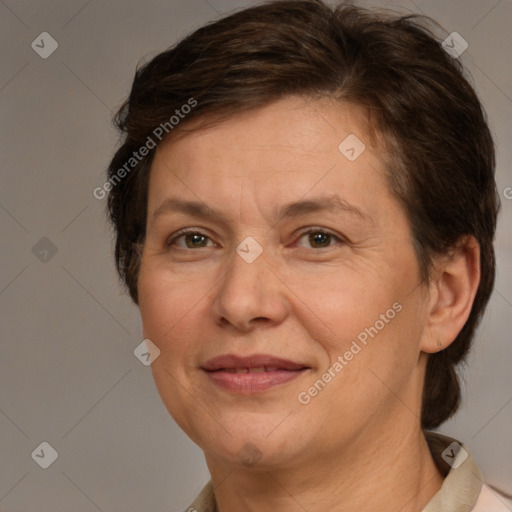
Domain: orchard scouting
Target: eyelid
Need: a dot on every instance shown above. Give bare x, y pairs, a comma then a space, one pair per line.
318, 229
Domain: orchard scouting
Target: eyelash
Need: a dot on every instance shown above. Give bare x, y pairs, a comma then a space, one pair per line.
192, 231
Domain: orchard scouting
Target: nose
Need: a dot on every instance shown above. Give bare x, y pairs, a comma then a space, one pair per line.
250, 295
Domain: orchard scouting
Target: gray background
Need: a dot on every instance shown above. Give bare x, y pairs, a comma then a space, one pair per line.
68, 375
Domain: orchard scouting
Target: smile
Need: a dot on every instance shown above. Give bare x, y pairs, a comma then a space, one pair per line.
251, 374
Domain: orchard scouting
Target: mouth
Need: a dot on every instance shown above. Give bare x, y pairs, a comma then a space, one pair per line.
251, 374
258, 369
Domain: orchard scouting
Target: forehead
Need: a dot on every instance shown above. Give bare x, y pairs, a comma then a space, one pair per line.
287, 149
302, 121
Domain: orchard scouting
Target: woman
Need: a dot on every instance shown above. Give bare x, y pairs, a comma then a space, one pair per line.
305, 206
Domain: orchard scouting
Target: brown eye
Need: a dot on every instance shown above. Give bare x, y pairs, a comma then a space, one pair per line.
318, 239
190, 240
195, 240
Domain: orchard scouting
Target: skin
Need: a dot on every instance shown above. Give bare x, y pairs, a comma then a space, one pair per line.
358, 444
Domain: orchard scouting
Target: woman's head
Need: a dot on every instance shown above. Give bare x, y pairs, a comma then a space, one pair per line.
251, 113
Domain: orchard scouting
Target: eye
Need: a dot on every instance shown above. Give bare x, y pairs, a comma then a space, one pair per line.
318, 239
190, 240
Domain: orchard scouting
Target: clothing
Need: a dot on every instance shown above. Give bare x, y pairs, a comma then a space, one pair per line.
462, 490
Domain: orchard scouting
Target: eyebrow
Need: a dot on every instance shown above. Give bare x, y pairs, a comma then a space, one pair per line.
332, 203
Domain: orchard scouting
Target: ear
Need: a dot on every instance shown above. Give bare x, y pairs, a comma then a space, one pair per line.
452, 289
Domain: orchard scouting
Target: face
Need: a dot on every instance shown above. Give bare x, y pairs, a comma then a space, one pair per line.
279, 281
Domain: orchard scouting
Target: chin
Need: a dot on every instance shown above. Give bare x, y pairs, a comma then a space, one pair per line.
261, 443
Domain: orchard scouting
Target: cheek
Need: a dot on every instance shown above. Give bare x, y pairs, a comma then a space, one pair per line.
335, 307
167, 304
370, 321
170, 319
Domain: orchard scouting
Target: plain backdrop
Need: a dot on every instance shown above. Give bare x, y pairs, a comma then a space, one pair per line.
68, 375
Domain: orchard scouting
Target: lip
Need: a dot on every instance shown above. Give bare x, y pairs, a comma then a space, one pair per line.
273, 372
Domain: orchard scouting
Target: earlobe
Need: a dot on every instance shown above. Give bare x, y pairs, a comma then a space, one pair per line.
453, 288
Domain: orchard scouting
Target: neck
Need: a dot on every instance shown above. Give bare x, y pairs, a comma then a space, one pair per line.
396, 472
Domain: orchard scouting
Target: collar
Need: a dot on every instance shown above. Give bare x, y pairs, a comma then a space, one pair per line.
463, 481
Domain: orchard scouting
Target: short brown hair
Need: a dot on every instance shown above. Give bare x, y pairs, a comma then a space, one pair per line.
417, 97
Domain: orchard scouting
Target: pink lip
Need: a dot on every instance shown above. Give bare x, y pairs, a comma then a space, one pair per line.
221, 370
